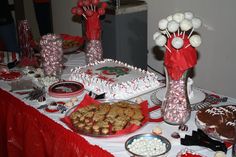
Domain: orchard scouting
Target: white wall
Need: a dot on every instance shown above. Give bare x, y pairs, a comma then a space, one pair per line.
62, 17
216, 64
216, 68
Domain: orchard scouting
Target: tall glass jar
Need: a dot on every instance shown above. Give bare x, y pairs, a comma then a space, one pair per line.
52, 55
93, 51
176, 109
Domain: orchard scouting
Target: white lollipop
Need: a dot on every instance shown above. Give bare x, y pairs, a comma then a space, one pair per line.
185, 25
161, 41
178, 17
195, 40
188, 15
163, 26
173, 26
177, 42
169, 18
196, 22
155, 35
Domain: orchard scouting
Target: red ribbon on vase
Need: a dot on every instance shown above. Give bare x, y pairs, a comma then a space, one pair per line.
178, 61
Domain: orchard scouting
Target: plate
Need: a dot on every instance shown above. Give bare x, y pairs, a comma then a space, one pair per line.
104, 127
10, 75
65, 89
199, 96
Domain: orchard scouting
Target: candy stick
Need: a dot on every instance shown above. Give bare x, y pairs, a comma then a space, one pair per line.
185, 25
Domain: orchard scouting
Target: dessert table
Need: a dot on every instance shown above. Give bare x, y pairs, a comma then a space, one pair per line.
28, 131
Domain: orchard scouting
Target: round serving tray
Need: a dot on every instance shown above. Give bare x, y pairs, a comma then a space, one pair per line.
65, 89
125, 131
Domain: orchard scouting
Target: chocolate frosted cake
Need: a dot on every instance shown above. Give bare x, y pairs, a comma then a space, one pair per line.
218, 121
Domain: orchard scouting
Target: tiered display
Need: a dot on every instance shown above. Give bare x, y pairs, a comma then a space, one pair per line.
118, 80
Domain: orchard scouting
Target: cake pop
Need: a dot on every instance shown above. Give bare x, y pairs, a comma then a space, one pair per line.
177, 42
173, 26
188, 15
163, 26
161, 41
155, 35
195, 41
178, 17
196, 22
185, 25
169, 18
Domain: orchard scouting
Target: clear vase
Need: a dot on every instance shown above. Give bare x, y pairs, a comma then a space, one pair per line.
94, 51
176, 109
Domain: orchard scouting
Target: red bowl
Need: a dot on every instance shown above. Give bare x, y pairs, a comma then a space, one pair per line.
65, 89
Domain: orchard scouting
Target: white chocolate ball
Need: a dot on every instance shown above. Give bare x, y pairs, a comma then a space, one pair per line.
178, 17
220, 154
155, 35
169, 18
177, 42
195, 40
173, 26
196, 23
186, 25
163, 24
161, 40
188, 15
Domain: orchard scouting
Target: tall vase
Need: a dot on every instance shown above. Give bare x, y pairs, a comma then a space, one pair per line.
93, 51
175, 107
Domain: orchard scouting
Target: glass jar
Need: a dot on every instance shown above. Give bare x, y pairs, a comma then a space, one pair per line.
93, 51
52, 55
176, 109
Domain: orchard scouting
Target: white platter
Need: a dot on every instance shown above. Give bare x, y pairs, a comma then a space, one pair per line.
198, 95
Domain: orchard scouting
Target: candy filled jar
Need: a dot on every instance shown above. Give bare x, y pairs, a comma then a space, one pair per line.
176, 109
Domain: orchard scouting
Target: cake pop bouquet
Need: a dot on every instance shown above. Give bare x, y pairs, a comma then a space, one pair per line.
91, 10
178, 37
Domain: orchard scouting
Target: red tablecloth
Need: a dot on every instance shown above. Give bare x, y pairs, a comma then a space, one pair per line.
25, 132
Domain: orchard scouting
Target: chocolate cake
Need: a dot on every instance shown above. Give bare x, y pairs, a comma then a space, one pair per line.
221, 119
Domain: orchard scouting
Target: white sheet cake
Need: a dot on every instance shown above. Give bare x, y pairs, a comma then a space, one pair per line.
118, 80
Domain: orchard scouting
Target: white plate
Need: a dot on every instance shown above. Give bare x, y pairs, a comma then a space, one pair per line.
198, 96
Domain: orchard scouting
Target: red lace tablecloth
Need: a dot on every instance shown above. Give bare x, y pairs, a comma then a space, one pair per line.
27, 133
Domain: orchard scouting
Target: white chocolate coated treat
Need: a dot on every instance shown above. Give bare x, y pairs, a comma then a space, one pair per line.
188, 15
169, 18
196, 23
161, 40
155, 35
163, 24
177, 42
186, 25
220, 154
178, 17
173, 26
195, 40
